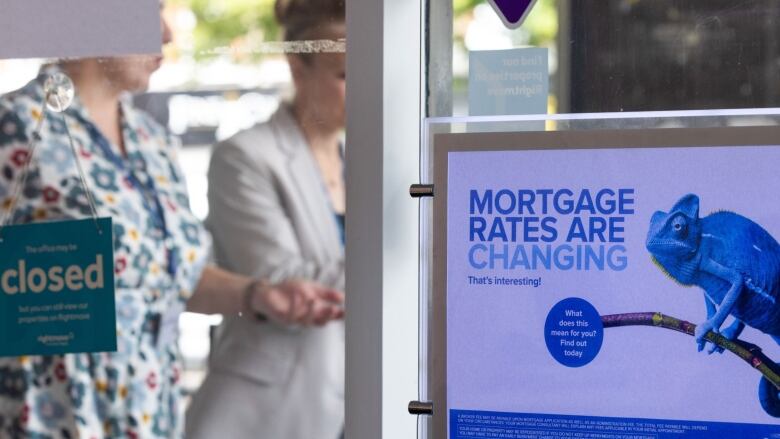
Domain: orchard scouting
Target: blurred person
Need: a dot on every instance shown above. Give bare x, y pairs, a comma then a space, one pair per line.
276, 209
160, 254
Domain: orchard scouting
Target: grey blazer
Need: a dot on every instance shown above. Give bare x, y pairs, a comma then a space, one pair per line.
270, 217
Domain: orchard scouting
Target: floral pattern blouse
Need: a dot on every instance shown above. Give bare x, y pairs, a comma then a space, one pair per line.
134, 392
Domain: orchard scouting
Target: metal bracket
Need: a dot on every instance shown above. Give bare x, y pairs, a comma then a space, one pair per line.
421, 190
421, 408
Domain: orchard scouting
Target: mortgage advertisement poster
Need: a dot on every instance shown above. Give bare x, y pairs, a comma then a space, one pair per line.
620, 292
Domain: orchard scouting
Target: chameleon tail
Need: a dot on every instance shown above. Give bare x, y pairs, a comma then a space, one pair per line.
768, 395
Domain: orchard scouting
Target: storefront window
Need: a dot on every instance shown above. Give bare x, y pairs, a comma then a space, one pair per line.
630, 55
225, 69
586, 95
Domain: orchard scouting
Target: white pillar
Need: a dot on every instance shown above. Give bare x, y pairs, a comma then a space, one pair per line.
383, 124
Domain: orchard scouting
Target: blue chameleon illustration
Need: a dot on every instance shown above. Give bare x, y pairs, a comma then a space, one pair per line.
733, 259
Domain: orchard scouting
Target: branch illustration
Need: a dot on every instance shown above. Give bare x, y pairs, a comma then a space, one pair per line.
748, 352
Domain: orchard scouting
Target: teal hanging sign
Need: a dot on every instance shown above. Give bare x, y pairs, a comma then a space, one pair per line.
57, 288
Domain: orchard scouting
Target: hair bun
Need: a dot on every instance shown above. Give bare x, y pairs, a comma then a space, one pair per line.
282, 10
288, 11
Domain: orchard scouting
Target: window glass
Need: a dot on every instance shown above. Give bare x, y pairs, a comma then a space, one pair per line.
224, 68
627, 55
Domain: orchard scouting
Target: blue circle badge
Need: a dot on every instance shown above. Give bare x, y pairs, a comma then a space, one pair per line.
573, 332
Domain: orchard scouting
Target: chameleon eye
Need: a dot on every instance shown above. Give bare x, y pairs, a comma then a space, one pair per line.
679, 225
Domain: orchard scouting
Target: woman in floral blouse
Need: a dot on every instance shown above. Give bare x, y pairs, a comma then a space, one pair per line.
160, 253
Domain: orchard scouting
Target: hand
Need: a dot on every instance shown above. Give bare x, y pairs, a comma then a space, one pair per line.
731, 333
713, 348
297, 303
701, 333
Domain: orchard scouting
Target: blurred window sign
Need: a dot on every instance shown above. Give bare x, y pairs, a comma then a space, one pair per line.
503, 82
512, 12
79, 28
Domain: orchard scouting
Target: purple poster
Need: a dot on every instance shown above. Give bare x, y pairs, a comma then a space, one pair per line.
617, 293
